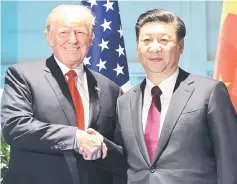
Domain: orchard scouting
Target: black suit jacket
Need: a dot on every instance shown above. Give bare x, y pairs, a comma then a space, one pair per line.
39, 123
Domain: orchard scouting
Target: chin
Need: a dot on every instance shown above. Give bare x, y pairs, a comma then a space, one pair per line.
77, 63
74, 60
157, 70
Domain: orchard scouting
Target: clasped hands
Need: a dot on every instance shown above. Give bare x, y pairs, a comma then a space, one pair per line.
91, 144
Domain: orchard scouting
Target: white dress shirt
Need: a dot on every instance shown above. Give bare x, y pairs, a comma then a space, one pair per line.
167, 88
82, 86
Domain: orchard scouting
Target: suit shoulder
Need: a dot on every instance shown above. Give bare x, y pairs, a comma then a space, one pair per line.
124, 98
30, 66
205, 85
104, 81
27, 73
203, 81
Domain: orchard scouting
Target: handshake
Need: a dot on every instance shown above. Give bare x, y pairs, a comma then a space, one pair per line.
91, 144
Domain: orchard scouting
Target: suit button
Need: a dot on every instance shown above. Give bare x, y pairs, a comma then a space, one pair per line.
152, 170
52, 147
62, 146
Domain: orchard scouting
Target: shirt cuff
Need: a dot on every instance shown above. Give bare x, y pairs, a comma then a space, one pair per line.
75, 145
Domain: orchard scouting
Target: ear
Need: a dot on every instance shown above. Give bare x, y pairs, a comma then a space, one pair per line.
49, 38
181, 46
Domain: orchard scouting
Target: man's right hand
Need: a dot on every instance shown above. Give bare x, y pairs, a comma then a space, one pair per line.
90, 145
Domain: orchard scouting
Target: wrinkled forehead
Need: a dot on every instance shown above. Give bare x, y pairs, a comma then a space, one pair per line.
72, 25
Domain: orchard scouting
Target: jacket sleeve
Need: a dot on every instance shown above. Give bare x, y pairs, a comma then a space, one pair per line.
115, 161
222, 123
20, 129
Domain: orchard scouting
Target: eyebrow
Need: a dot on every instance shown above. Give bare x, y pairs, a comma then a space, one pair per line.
155, 35
63, 28
67, 28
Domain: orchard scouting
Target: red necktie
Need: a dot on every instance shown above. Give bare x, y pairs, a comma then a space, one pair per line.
153, 123
76, 99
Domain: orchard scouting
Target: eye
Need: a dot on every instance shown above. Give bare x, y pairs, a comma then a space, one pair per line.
146, 39
80, 32
63, 33
164, 40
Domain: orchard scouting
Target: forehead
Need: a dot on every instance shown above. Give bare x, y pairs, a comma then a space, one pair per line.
71, 18
71, 25
71, 14
156, 28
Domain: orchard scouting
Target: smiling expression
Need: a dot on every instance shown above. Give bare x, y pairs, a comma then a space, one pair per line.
70, 42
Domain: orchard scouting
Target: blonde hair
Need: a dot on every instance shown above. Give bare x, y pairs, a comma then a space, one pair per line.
72, 13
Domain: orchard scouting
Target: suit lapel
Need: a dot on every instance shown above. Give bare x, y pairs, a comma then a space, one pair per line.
94, 96
136, 115
58, 83
180, 97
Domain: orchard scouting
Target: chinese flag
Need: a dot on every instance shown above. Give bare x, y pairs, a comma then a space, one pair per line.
226, 56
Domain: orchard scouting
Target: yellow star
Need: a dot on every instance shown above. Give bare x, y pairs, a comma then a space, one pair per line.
226, 83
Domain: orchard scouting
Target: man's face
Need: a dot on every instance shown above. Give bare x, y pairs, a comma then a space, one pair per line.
158, 48
70, 42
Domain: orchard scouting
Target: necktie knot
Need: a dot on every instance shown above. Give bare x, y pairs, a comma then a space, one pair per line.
156, 91
71, 74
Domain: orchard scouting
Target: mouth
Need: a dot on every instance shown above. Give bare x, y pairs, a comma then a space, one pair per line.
72, 49
155, 59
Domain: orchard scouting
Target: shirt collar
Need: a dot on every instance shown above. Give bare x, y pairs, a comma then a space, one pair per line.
79, 70
166, 86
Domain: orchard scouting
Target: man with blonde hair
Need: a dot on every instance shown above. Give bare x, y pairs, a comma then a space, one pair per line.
47, 108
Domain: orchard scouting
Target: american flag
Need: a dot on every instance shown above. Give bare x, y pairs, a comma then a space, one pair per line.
107, 54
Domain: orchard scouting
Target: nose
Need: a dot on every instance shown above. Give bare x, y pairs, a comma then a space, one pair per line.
73, 38
155, 46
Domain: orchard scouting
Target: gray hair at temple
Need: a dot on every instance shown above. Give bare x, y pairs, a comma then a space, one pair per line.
77, 14
160, 15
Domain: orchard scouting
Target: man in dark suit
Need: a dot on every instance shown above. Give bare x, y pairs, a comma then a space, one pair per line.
47, 107
174, 127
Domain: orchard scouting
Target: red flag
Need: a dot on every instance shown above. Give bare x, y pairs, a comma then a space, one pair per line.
226, 56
